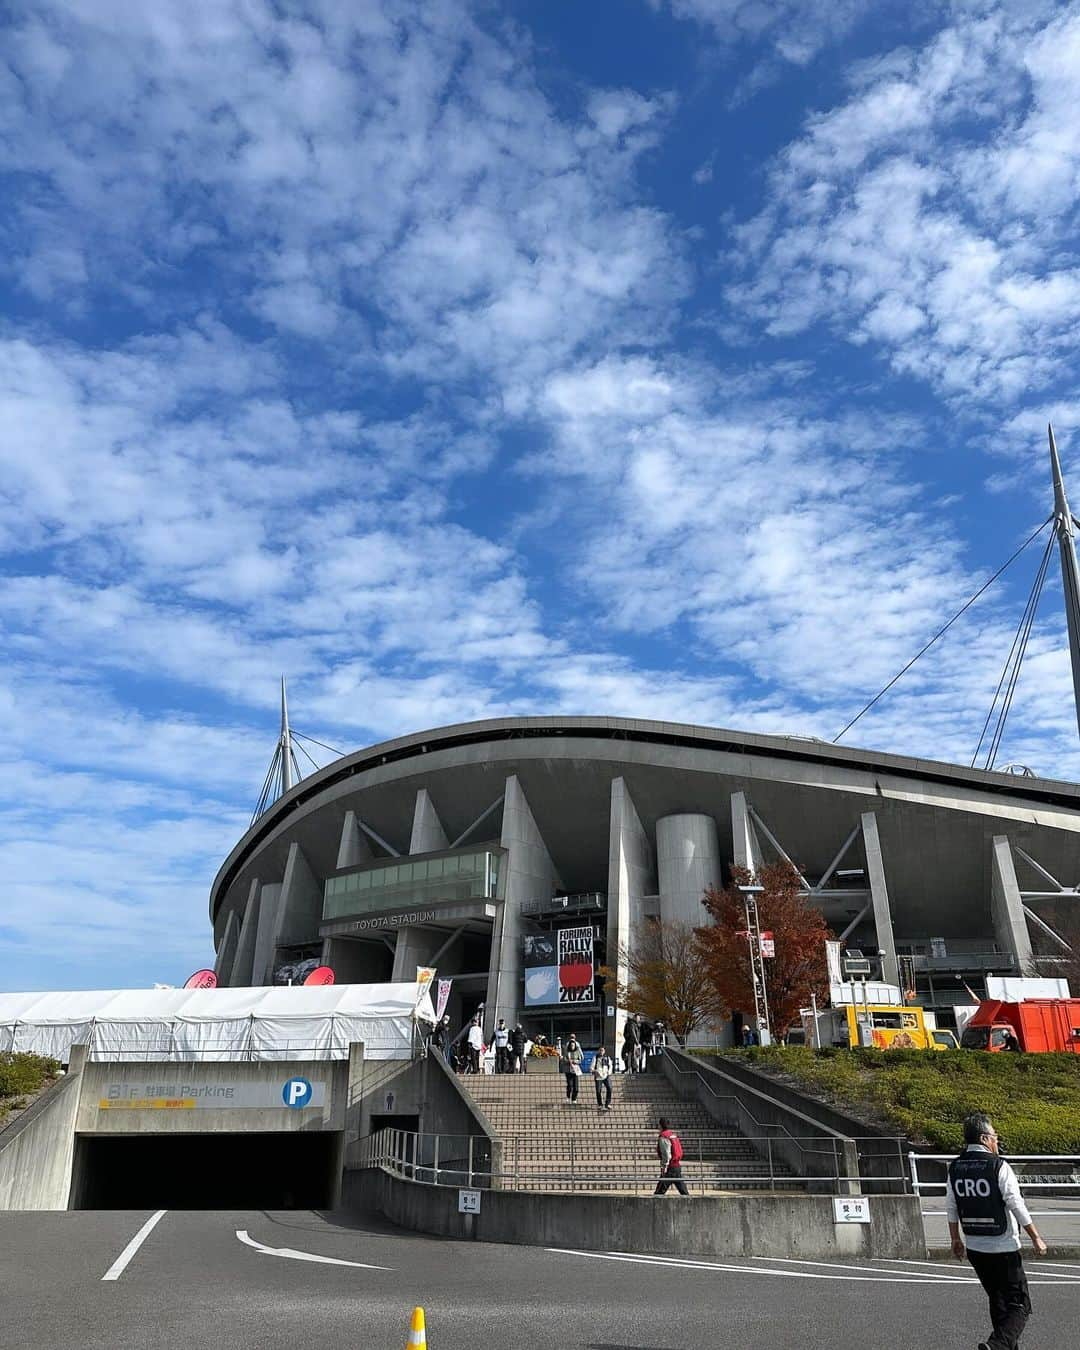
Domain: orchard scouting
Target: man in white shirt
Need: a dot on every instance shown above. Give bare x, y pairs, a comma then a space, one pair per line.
982, 1198
476, 1045
502, 1047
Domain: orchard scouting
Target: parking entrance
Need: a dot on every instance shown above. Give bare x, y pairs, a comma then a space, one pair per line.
207, 1171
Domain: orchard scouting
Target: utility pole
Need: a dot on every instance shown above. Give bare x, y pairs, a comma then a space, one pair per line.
1065, 529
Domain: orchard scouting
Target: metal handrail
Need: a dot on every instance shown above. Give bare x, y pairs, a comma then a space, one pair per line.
397, 1151
898, 1140
920, 1187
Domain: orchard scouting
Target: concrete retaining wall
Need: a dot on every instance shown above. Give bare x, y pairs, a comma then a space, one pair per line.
736, 1225
169, 1081
804, 1145
36, 1149
876, 1150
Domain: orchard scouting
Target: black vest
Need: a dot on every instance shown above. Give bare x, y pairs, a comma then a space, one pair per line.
977, 1190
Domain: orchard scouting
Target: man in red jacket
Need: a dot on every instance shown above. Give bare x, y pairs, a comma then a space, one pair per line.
669, 1150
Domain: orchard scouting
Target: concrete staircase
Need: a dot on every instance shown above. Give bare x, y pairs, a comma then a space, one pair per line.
550, 1144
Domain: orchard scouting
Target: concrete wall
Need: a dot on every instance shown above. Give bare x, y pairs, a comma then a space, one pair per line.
36, 1150
737, 1225
263, 1076
870, 1152
802, 1144
428, 1088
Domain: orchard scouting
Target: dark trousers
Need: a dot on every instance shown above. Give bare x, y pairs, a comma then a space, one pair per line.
502, 1059
474, 1060
603, 1092
572, 1081
1001, 1274
672, 1177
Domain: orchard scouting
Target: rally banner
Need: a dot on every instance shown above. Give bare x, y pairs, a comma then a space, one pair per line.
576, 969
442, 999
559, 967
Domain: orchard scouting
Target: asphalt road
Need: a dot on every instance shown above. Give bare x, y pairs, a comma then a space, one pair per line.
193, 1281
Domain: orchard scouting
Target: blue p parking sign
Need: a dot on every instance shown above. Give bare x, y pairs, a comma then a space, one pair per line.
296, 1092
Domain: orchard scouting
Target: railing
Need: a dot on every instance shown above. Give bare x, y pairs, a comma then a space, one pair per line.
1060, 1171
779, 1137
569, 904
466, 1161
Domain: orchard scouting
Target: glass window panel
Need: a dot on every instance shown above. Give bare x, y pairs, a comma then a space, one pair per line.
419, 871
435, 868
361, 882
450, 866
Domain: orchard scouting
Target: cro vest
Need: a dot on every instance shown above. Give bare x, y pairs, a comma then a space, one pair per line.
977, 1191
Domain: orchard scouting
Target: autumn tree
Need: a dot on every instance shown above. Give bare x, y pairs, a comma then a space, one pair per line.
667, 977
799, 931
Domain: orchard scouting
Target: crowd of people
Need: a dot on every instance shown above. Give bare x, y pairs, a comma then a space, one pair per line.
509, 1048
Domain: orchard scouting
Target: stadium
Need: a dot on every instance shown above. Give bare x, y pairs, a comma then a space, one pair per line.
504, 851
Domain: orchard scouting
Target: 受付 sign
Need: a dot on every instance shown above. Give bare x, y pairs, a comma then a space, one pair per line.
851, 1209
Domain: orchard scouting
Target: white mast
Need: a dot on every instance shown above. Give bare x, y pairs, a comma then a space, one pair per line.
1065, 529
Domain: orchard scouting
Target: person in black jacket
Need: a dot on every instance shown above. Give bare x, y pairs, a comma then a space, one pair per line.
631, 1040
517, 1049
440, 1037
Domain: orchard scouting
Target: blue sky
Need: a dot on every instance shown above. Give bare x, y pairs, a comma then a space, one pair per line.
686, 359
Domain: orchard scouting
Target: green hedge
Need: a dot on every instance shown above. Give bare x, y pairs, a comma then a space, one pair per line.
1034, 1100
23, 1076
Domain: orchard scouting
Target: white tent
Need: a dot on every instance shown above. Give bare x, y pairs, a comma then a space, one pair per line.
316, 1022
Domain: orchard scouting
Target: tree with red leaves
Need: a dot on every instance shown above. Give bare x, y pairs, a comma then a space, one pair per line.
799, 930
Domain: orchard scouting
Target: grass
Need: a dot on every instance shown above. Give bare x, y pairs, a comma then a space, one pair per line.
23, 1077
1034, 1100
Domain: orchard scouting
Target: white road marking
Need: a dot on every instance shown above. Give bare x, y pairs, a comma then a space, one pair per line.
291, 1254
120, 1264
940, 1274
885, 1277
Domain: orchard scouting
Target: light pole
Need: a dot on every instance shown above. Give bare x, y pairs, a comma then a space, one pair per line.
757, 964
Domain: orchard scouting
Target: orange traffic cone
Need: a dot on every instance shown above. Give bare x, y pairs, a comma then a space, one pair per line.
417, 1331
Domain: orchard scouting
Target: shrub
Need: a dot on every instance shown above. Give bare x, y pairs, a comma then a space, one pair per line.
1034, 1100
24, 1074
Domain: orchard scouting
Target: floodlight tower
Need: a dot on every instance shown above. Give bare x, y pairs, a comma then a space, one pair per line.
1065, 529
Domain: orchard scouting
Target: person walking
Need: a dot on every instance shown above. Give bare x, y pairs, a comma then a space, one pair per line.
669, 1150
984, 1207
646, 1033
440, 1037
502, 1047
476, 1045
572, 1057
631, 1036
602, 1068
517, 1049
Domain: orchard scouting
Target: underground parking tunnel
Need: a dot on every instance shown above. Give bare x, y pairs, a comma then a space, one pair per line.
207, 1171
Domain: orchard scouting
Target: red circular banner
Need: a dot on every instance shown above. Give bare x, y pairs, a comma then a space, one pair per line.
320, 975
202, 979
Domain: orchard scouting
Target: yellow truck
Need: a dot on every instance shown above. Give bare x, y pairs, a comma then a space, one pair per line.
883, 1025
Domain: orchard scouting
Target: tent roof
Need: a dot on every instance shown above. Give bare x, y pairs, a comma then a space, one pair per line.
214, 1005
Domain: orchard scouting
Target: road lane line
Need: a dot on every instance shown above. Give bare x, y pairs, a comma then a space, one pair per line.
121, 1263
885, 1277
939, 1274
292, 1254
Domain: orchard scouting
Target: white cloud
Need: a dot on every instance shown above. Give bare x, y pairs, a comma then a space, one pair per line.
902, 217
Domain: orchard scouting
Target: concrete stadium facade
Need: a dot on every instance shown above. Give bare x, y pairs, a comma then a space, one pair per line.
451, 846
